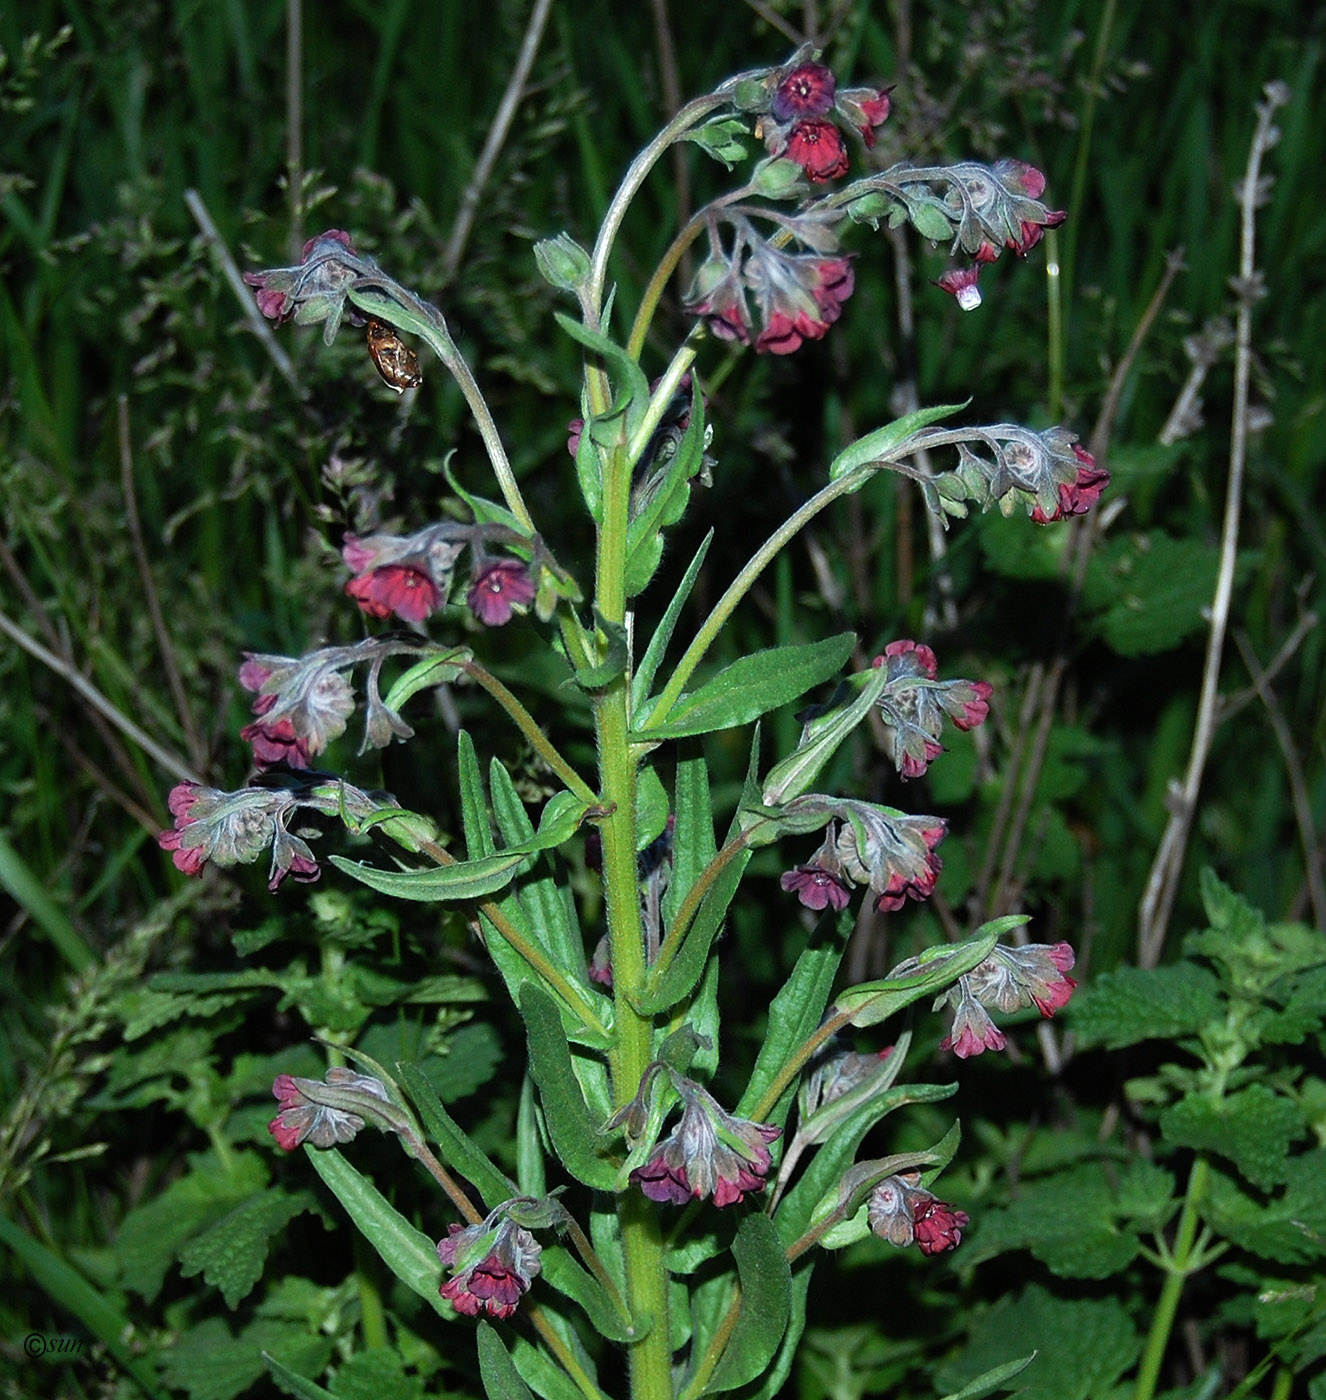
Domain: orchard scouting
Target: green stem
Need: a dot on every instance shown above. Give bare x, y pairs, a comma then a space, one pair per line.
740, 586
527, 725
1183, 1263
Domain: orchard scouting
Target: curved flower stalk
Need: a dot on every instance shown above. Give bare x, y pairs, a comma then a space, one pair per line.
616, 972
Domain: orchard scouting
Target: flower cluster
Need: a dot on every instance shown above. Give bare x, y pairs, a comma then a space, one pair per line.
309, 1113
794, 104
410, 575
997, 207
1047, 472
1010, 979
708, 1153
914, 704
492, 1266
316, 289
901, 1212
238, 828
757, 294
864, 844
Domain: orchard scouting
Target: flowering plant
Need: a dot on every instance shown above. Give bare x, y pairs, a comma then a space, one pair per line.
622, 1020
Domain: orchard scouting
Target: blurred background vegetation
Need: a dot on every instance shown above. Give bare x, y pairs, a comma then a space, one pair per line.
173, 493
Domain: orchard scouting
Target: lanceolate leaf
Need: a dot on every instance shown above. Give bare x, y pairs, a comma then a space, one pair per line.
560, 1271
766, 1300
877, 446
643, 679
569, 1124
872, 1002
458, 1150
751, 687
408, 1253
501, 1380
475, 879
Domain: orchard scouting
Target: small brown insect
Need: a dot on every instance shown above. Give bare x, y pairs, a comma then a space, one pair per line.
396, 362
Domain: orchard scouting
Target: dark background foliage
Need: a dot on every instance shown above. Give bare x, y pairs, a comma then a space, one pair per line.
146, 431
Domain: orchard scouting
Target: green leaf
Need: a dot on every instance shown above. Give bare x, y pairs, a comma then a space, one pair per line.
643, 679
475, 879
751, 687
501, 1380
407, 1252
230, 1254
1132, 1004
1098, 1245
651, 808
766, 1301
575, 1140
1083, 1346
459, 1151
667, 501
721, 139
880, 445
872, 1002
426, 674
795, 1013
76, 1297
295, 1384
208, 1362
560, 1271
1252, 1127
1289, 1229
682, 975
996, 1378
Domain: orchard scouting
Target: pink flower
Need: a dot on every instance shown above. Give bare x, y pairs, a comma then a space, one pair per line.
973, 1032
327, 265
909, 658
807, 91
873, 111
1077, 497
709, 1153
274, 742
395, 588
817, 147
189, 859
960, 282
303, 1119
492, 1267
900, 1211
817, 888
499, 588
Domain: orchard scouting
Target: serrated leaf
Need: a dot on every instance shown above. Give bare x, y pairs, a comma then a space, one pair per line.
1159, 590
231, 1253
1133, 1004
377, 1373
882, 443
1082, 1346
1290, 1229
752, 686
577, 1143
407, 1252
1252, 1128
766, 1300
208, 1362
1098, 1244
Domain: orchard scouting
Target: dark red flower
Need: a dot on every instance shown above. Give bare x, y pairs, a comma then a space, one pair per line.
817, 888
395, 588
817, 147
497, 589
496, 1281
1077, 497
914, 658
807, 91
274, 742
709, 1153
875, 111
960, 282
939, 1227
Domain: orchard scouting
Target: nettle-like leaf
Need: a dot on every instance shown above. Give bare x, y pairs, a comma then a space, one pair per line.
1071, 1221
152, 1235
1134, 1004
1253, 1128
1290, 1228
1082, 1346
209, 1362
230, 1254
